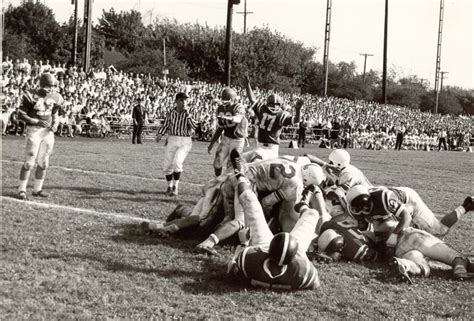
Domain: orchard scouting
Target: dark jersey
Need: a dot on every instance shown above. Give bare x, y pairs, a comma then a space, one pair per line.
299, 274
41, 107
270, 124
386, 203
231, 129
357, 246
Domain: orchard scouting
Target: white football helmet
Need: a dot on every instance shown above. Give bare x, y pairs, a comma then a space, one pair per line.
358, 200
330, 241
274, 103
340, 158
312, 174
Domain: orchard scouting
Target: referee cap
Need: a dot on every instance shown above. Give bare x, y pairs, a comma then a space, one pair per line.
181, 95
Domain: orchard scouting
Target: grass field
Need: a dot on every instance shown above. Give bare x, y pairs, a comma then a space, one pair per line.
80, 253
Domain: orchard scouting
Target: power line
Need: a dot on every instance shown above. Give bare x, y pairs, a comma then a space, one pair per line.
245, 13
365, 63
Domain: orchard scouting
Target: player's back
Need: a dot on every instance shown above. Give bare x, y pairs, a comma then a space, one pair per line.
349, 177
274, 174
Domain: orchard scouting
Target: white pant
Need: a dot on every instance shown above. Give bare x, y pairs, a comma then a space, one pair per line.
223, 151
176, 151
422, 216
39, 146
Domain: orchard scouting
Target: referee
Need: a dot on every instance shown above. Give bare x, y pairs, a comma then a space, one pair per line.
179, 126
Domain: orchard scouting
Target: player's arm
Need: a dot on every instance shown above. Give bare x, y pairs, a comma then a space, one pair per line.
271, 199
296, 119
239, 113
163, 129
55, 118
23, 115
250, 95
316, 160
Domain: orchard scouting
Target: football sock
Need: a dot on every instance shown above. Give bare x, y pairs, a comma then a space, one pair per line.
176, 183
176, 176
22, 187
451, 218
218, 171
169, 179
38, 185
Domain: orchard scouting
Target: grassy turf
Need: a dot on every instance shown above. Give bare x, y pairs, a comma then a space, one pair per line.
60, 263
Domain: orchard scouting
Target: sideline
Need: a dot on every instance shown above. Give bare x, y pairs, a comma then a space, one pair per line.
116, 216
68, 169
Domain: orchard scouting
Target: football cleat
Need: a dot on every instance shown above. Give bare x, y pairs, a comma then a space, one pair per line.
169, 191
305, 197
40, 194
236, 161
402, 269
204, 248
468, 203
22, 196
174, 191
460, 273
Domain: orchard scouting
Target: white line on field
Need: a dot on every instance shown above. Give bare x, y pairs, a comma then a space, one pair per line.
106, 173
75, 209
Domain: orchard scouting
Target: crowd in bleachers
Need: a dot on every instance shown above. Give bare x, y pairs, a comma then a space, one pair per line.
100, 103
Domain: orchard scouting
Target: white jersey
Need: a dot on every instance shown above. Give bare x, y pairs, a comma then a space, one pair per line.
350, 176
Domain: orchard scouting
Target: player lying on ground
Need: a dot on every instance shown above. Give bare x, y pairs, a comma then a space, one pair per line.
413, 248
281, 181
403, 203
275, 261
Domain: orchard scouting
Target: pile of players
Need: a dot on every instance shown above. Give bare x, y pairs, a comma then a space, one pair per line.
281, 208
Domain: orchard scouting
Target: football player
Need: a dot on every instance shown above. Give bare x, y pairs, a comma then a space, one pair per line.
232, 122
275, 261
40, 111
341, 175
413, 248
405, 205
271, 119
278, 181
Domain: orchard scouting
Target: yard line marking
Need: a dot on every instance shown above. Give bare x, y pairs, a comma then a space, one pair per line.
107, 173
77, 210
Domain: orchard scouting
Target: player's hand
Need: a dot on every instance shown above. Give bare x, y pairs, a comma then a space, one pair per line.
158, 138
43, 123
336, 171
53, 128
392, 240
299, 104
209, 148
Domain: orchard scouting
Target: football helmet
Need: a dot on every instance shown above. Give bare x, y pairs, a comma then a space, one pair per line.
47, 80
359, 200
312, 174
274, 103
228, 94
340, 158
330, 241
283, 248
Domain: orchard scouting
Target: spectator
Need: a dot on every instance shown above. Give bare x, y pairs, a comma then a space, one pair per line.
138, 116
442, 139
302, 134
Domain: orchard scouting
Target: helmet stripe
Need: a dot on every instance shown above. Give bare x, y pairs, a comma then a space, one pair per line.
285, 249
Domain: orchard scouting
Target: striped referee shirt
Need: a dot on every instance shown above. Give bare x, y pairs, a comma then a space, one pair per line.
178, 124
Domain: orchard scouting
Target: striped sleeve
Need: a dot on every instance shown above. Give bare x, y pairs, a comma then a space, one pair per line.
163, 129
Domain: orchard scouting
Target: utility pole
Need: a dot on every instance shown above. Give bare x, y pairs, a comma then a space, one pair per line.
88, 33
327, 35
384, 74
442, 78
74, 41
438, 52
365, 63
245, 13
228, 40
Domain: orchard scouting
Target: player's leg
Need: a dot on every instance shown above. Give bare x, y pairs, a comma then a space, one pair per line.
33, 141
305, 227
168, 164
181, 153
435, 249
220, 154
42, 162
412, 263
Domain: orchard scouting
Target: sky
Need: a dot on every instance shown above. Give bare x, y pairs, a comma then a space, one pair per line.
357, 27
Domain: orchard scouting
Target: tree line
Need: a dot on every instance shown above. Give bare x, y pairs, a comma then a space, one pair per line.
196, 52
